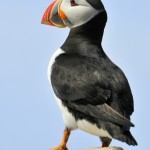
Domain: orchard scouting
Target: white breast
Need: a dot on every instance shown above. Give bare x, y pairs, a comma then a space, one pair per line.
69, 120
52, 61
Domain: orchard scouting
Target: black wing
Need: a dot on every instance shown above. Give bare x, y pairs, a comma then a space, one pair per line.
84, 84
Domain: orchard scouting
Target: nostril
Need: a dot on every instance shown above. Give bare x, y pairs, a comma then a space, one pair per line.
73, 3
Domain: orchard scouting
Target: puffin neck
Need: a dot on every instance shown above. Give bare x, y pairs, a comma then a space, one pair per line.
86, 35
93, 29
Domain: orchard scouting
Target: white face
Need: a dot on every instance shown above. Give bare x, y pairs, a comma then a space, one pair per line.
71, 13
79, 14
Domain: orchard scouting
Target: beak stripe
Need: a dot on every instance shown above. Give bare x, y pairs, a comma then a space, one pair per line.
46, 16
62, 14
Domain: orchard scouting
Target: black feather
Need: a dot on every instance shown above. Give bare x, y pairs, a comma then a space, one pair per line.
97, 4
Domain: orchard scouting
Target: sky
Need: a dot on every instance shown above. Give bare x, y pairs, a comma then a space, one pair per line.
29, 116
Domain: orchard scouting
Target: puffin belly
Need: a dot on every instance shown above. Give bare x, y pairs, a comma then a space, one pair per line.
69, 119
52, 61
92, 128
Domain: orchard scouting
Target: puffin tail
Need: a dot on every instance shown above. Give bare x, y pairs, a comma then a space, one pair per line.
130, 139
127, 137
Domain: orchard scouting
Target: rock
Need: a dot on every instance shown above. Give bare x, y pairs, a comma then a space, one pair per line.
104, 148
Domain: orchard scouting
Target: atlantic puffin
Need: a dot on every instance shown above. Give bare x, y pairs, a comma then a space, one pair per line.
92, 92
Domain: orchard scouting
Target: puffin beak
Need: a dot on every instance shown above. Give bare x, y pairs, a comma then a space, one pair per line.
53, 16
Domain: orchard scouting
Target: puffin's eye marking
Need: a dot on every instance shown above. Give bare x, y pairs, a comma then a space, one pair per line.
73, 3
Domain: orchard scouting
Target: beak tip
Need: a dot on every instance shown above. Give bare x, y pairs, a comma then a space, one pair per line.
42, 22
46, 23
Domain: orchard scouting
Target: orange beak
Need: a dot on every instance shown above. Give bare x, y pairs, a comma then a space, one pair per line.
53, 16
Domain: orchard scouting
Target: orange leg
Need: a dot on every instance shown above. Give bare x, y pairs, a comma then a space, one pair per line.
63, 144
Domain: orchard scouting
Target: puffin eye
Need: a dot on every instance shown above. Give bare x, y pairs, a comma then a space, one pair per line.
73, 3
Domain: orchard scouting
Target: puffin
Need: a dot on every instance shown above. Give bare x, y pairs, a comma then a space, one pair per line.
91, 91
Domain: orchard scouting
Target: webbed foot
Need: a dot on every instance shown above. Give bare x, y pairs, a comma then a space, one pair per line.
60, 147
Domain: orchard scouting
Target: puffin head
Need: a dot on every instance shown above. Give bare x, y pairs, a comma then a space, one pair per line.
71, 13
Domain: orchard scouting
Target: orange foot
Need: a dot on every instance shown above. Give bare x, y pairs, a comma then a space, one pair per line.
63, 146
60, 147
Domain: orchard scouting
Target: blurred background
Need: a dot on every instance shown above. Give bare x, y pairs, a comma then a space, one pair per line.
29, 116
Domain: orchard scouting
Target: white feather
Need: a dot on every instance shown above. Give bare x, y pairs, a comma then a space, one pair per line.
68, 118
92, 128
52, 61
79, 14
